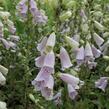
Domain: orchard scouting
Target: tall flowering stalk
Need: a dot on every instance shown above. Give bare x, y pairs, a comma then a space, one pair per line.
38, 15
6, 25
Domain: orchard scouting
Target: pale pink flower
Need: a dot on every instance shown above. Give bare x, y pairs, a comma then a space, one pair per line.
65, 59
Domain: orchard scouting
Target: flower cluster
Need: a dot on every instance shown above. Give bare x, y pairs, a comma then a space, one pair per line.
7, 28
44, 81
38, 15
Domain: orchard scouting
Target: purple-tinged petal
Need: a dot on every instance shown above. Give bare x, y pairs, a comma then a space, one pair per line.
42, 44
72, 92
65, 59
96, 52
41, 79
102, 83
57, 99
70, 79
39, 61
5, 43
11, 29
80, 55
14, 38
99, 41
49, 60
47, 91
88, 52
33, 5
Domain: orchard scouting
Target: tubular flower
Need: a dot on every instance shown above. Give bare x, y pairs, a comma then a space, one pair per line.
73, 83
47, 90
80, 55
72, 92
7, 25
88, 52
38, 16
102, 83
65, 59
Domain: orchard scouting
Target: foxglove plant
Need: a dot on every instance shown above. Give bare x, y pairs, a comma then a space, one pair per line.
38, 15
6, 25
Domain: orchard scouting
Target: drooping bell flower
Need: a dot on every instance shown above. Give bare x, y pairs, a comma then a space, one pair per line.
2, 105
47, 90
88, 52
46, 70
49, 61
96, 52
39, 61
12, 44
102, 83
14, 38
22, 9
11, 27
73, 43
2, 79
72, 80
39, 17
42, 44
33, 5
65, 59
99, 41
5, 43
3, 70
72, 92
50, 42
41, 79
57, 99
80, 55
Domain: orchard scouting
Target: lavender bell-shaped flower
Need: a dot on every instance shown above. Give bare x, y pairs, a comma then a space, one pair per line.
88, 52
99, 41
46, 70
70, 79
57, 99
72, 92
96, 52
65, 59
50, 42
49, 62
102, 83
42, 44
22, 8
33, 5
5, 43
80, 55
41, 79
47, 91
39, 61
